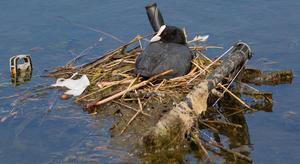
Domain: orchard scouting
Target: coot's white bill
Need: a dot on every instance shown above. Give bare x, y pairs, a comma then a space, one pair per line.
157, 37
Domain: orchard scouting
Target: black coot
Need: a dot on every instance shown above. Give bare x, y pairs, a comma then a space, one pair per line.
167, 49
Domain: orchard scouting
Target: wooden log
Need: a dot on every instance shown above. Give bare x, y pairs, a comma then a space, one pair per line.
173, 126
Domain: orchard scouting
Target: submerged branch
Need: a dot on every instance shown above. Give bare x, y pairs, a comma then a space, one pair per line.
258, 77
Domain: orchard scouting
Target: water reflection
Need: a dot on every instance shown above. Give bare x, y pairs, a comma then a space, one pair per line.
229, 120
21, 78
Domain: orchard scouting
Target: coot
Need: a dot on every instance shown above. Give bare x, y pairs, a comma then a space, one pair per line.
166, 50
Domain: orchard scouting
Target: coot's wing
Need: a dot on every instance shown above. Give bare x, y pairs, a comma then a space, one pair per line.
160, 56
150, 59
176, 57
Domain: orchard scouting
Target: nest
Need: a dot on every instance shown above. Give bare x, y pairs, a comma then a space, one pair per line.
116, 89
114, 73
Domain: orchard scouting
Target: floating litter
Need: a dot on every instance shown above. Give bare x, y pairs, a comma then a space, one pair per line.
76, 87
20, 68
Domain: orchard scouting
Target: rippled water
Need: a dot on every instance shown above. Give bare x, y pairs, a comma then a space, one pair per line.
48, 130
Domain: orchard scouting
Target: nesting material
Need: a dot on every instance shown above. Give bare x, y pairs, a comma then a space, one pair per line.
114, 73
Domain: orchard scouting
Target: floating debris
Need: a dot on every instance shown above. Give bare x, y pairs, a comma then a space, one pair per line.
76, 87
200, 38
20, 69
10, 115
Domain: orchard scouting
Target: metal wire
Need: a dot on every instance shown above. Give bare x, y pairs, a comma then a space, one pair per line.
231, 82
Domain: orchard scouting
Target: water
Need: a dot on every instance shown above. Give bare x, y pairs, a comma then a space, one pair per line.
38, 134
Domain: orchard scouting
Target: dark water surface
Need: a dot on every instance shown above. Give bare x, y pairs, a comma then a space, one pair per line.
48, 130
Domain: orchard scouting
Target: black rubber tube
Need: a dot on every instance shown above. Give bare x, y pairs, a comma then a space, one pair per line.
237, 57
154, 16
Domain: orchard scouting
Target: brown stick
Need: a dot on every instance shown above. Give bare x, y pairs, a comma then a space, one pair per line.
207, 125
237, 98
143, 83
109, 54
129, 122
224, 123
237, 154
195, 138
104, 84
129, 107
136, 114
129, 86
102, 89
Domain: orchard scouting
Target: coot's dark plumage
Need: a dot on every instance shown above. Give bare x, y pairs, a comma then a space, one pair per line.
159, 57
167, 49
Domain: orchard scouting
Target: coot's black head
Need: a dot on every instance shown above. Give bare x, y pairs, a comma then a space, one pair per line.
173, 34
170, 34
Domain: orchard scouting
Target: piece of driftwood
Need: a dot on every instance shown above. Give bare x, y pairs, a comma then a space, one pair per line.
258, 77
178, 122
